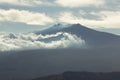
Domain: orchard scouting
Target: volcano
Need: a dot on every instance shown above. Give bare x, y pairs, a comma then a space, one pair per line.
92, 37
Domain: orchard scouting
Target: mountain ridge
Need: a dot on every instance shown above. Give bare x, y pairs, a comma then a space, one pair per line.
92, 37
83, 75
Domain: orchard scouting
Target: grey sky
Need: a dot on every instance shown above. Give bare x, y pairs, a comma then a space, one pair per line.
28, 15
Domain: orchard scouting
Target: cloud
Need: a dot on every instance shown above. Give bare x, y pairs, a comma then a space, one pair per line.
107, 19
79, 3
30, 41
24, 16
21, 2
113, 4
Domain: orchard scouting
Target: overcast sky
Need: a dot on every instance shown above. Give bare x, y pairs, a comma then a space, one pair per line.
28, 15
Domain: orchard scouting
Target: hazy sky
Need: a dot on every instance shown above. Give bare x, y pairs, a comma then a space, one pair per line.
28, 15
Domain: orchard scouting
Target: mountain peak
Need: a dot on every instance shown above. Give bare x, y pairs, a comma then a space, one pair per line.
77, 24
12, 36
65, 25
57, 24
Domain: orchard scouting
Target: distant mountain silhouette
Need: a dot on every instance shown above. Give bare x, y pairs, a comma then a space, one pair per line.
83, 76
11, 36
92, 37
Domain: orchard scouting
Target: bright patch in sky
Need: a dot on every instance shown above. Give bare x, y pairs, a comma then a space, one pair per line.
79, 3
24, 16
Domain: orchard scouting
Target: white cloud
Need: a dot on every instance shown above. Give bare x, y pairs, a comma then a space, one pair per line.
30, 41
21, 2
68, 17
108, 19
23, 16
79, 3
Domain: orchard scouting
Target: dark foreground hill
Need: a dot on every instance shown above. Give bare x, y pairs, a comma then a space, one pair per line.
83, 76
31, 64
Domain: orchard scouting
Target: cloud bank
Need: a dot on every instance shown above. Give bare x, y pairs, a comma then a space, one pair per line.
106, 19
21, 2
10, 41
24, 16
79, 3
106, 12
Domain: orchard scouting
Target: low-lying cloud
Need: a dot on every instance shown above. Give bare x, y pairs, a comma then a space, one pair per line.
10, 41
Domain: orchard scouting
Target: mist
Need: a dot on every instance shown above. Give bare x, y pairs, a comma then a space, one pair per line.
11, 41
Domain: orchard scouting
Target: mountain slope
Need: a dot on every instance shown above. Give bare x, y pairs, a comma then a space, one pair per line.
92, 37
